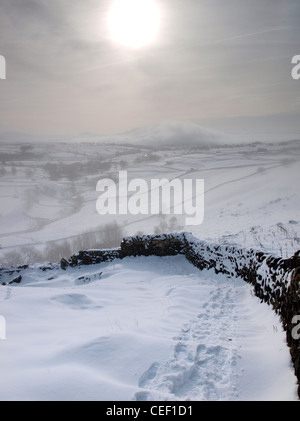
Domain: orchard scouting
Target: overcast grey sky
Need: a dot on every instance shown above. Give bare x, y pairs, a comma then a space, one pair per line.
219, 63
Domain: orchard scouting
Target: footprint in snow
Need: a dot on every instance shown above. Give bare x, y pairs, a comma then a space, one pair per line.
148, 375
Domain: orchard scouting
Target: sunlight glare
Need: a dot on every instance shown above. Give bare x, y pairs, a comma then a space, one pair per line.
134, 23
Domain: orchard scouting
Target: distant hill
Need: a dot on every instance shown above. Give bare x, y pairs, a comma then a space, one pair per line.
176, 134
173, 134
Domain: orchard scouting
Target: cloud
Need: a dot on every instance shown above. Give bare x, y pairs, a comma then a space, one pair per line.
213, 59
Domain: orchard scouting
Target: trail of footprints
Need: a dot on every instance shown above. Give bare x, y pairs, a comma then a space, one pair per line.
203, 364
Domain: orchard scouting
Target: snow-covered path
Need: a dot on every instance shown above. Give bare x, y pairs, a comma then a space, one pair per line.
206, 351
147, 328
223, 349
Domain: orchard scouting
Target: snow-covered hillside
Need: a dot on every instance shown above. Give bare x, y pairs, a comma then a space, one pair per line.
48, 195
144, 328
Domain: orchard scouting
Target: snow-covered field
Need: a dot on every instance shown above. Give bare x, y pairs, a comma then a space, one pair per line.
147, 328
48, 195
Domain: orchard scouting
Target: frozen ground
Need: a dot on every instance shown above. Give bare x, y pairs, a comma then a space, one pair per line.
147, 328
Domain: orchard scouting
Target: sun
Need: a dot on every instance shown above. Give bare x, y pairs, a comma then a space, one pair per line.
134, 23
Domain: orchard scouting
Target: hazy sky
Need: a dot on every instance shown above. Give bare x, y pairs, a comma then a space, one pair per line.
219, 63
